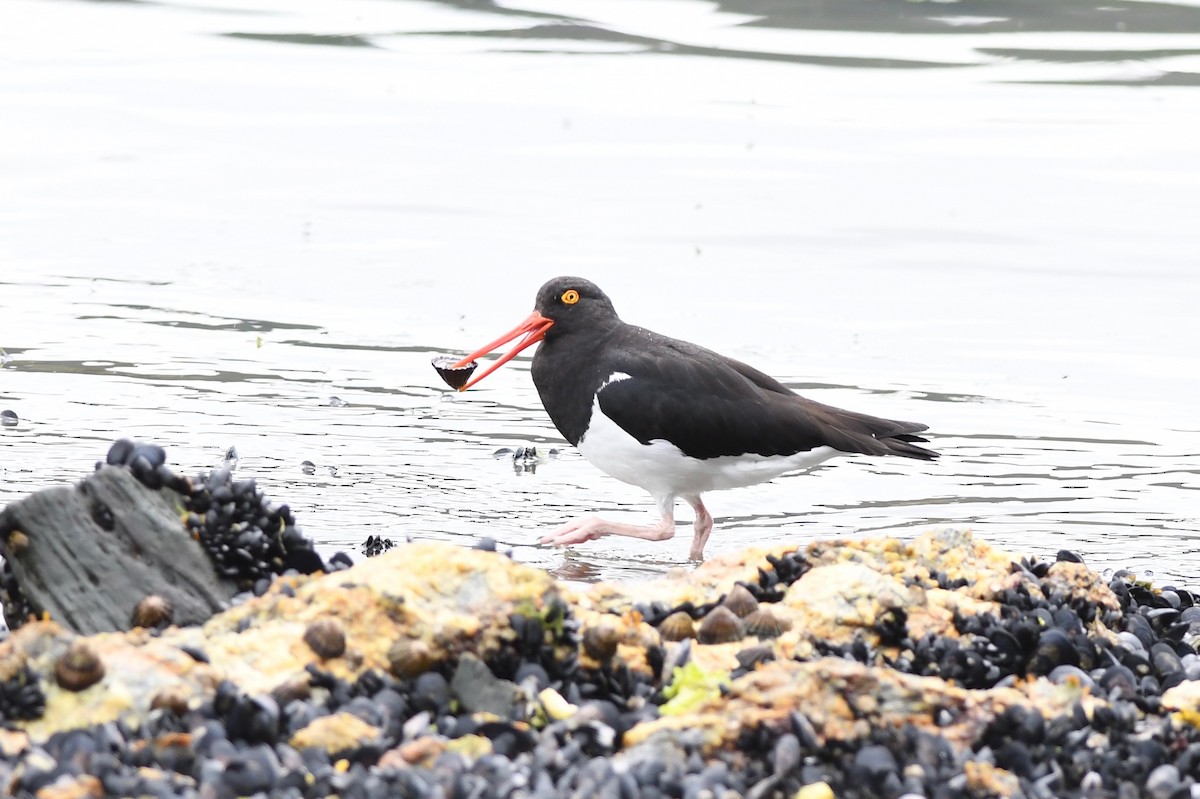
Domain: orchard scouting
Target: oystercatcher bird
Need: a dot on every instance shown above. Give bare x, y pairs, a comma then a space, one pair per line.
672, 417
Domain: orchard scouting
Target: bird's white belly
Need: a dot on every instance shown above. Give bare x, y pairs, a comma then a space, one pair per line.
661, 468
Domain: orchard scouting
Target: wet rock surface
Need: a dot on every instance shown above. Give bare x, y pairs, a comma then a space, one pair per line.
936, 667
88, 554
102, 554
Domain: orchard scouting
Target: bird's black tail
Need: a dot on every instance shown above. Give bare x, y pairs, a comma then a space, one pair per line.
897, 438
905, 445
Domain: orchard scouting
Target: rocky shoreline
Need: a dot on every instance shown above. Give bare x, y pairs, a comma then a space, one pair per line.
934, 667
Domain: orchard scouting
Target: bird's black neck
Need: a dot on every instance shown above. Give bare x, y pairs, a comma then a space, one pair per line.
567, 370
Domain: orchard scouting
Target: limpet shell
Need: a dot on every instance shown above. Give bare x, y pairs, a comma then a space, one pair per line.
765, 624
153, 611
326, 637
297, 688
455, 377
410, 658
172, 698
16, 544
677, 627
79, 667
600, 641
720, 626
740, 601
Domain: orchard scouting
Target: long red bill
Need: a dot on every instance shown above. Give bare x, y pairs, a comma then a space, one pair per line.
533, 328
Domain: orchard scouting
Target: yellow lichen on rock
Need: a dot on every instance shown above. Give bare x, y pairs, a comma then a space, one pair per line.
845, 700
835, 603
83, 786
986, 779
13, 743
1080, 583
815, 790
470, 746
136, 666
456, 599
337, 732
1184, 699
556, 707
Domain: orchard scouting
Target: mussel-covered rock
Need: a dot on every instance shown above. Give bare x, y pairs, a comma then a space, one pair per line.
21, 695
1011, 680
455, 376
231, 539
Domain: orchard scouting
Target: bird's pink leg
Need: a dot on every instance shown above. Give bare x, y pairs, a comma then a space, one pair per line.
589, 528
702, 526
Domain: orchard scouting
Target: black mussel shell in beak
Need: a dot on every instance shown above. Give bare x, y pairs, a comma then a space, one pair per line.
455, 378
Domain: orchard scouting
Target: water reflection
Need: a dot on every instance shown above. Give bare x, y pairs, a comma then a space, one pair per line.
282, 205
568, 33
990, 16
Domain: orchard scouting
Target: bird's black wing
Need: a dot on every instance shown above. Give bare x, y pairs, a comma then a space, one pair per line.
709, 405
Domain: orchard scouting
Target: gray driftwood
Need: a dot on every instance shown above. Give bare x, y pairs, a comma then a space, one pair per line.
91, 552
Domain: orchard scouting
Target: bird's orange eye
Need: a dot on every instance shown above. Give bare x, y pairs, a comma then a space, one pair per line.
570, 296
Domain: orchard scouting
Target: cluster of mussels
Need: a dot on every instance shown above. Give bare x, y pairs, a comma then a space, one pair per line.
15, 605
248, 538
1127, 747
431, 742
237, 744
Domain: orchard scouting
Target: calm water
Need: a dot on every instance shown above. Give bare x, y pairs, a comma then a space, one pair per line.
218, 217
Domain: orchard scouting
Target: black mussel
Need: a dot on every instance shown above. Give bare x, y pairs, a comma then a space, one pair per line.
120, 452
752, 656
455, 377
153, 453
376, 545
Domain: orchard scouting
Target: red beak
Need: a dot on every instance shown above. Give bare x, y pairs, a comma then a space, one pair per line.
534, 329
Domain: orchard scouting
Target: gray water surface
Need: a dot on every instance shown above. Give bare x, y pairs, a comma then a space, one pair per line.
252, 224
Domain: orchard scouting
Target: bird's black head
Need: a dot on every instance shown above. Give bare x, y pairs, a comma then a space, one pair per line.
563, 306
573, 303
